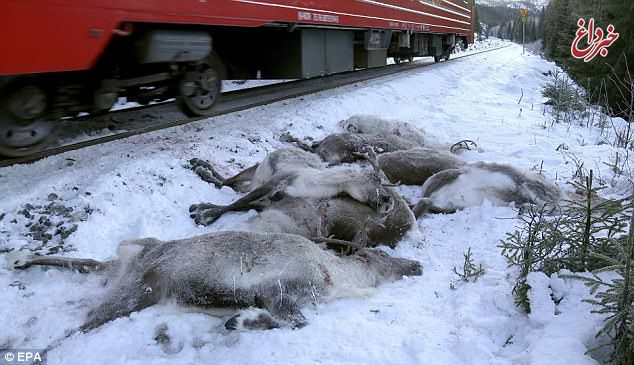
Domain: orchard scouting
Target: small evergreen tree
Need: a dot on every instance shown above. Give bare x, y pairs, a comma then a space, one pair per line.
616, 300
550, 239
565, 99
592, 224
469, 270
535, 246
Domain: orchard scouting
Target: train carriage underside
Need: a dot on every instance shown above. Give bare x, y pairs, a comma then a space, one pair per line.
62, 57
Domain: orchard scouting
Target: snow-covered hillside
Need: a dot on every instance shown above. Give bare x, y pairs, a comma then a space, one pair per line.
141, 186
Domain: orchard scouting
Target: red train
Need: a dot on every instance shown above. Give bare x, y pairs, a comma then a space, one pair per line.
60, 57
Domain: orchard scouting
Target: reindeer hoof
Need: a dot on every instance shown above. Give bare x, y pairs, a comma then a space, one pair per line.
197, 162
251, 319
205, 213
286, 137
17, 259
195, 208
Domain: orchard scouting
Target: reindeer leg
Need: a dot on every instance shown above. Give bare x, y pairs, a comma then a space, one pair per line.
206, 171
197, 162
22, 260
207, 176
130, 297
286, 137
282, 311
206, 213
242, 180
238, 182
425, 205
420, 208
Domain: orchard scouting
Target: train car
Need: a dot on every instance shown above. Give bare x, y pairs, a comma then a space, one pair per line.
61, 57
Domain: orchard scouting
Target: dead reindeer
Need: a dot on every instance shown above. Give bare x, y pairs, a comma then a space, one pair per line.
309, 183
344, 216
345, 221
415, 166
266, 277
339, 222
373, 125
290, 172
281, 160
342, 147
455, 189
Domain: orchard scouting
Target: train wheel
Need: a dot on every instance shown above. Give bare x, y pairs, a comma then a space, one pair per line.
23, 128
436, 59
397, 59
199, 89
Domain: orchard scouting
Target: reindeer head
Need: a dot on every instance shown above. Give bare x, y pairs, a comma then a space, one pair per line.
384, 200
334, 150
349, 125
367, 187
387, 267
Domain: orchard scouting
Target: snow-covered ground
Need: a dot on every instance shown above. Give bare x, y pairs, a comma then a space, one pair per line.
140, 187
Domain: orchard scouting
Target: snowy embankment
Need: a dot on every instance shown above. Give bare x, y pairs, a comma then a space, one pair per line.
141, 187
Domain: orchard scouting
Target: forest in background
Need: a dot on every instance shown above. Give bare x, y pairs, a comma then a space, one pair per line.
608, 80
505, 22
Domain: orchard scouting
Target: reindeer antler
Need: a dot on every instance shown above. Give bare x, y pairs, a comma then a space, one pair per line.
465, 144
369, 154
348, 244
333, 241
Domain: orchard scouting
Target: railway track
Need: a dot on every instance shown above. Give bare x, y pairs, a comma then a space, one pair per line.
139, 120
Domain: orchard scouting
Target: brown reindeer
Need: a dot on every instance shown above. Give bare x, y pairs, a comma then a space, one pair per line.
415, 166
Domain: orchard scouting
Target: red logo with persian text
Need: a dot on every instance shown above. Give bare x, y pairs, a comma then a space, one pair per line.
597, 41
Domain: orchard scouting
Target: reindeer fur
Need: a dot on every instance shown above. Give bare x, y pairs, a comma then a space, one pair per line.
415, 166
455, 189
370, 124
